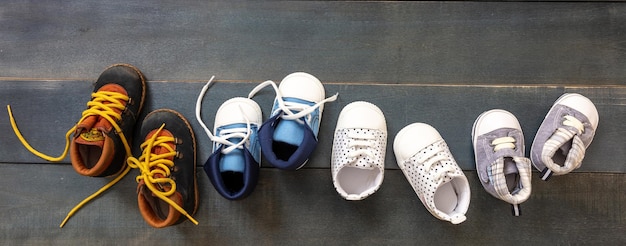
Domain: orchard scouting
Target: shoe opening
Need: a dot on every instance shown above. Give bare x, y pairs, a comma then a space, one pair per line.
233, 181
452, 197
511, 175
283, 150
89, 154
560, 156
358, 181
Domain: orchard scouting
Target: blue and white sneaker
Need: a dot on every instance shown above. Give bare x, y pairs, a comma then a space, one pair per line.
234, 167
289, 136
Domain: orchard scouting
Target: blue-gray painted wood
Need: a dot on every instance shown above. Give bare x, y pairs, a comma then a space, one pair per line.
442, 63
390, 42
302, 207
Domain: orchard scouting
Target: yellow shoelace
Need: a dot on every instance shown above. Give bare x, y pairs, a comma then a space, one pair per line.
98, 107
155, 169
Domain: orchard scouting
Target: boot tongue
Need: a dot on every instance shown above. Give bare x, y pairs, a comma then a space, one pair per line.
90, 132
159, 150
92, 129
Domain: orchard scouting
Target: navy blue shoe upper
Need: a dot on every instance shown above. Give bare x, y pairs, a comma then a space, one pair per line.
284, 155
233, 185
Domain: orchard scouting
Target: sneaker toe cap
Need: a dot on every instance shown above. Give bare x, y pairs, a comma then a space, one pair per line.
581, 104
302, 86
413, 138
237, 110
362, 115
493, 120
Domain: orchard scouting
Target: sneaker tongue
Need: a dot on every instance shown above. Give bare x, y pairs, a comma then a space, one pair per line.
233, 161
290, 132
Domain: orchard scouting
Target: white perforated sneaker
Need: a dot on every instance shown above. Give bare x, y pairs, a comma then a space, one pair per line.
424, 158
359, 146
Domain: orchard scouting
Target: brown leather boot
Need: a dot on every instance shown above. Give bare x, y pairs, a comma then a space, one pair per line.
167, 191
101, 140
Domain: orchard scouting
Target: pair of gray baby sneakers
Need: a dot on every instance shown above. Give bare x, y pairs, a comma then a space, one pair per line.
558, 148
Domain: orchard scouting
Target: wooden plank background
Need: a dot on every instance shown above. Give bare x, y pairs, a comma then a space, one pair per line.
442, 63
380, 42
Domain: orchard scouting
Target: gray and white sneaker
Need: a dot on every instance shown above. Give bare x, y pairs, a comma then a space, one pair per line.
502, 167
564, 135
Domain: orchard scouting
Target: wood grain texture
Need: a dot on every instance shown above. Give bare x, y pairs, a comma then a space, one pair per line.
303, 208
389, 42
442, 63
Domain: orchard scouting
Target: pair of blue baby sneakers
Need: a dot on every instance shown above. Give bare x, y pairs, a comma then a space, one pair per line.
239, 135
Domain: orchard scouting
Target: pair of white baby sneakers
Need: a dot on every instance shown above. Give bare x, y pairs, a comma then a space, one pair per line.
558, 148
358, 161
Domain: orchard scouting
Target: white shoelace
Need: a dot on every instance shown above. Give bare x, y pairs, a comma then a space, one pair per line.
573, 122
291, 110
226, 134
503, 143
433, 158
362, 144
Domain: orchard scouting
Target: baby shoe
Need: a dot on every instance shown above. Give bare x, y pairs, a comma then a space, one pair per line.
234, 165
502, 168
564, 135
289, 136
99, 143
424, 158
358, 154
167, 190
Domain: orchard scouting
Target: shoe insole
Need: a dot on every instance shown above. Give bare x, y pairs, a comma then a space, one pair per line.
233, 181
446, 198
512, 180
511, 174
355, 180
90, 154
283, 150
